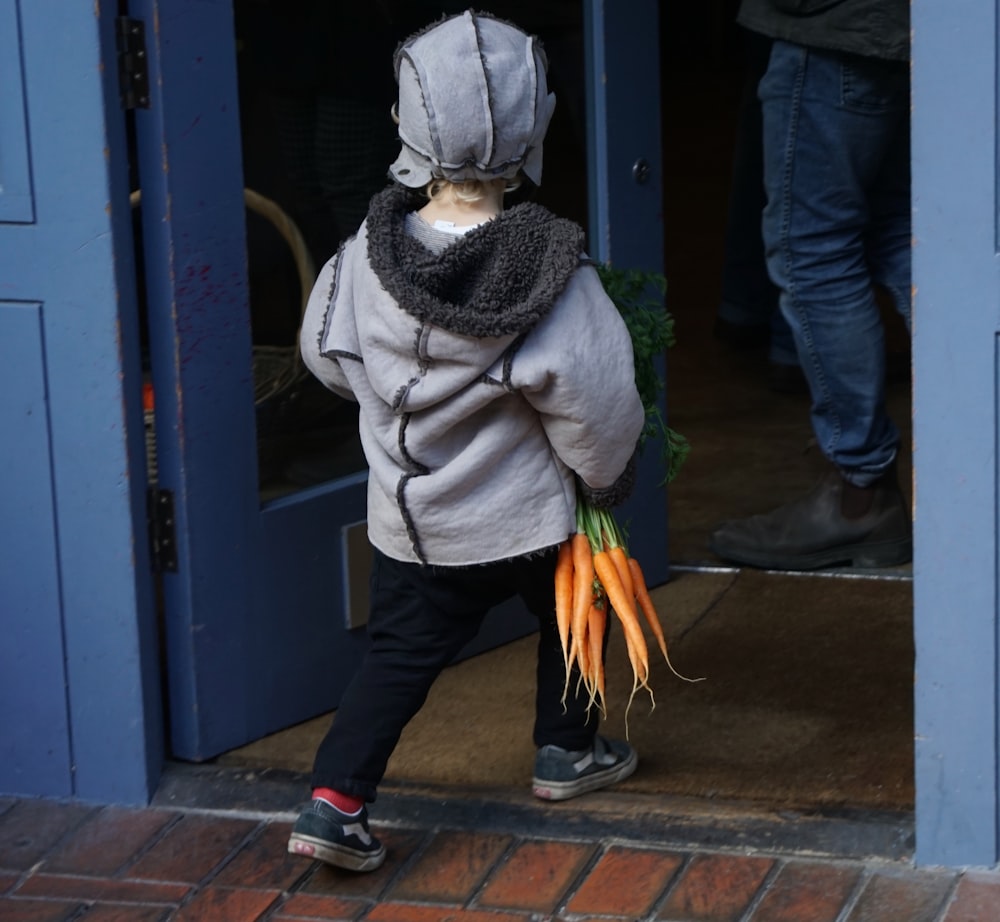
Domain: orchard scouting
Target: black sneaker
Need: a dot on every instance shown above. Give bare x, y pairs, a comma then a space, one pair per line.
563, 773
324, 833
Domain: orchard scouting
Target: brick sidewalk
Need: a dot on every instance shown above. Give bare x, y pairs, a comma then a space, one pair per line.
67, 861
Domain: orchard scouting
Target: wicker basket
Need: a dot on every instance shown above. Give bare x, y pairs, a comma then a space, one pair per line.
278, 370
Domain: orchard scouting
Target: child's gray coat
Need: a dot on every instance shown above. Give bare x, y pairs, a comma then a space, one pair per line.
490, 376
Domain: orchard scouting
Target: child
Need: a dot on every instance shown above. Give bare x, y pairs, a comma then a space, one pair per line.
494, 379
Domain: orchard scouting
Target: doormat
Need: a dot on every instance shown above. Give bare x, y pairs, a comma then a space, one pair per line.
806, 700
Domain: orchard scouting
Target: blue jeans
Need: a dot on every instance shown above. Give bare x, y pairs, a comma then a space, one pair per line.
836, 224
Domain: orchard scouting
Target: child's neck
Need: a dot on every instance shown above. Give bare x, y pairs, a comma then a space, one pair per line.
462, 214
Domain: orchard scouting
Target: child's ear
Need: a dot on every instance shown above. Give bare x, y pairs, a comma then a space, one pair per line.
394, 112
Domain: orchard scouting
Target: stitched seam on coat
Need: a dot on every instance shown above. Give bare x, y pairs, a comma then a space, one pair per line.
343, 354
416, 470
334, 285
508, 361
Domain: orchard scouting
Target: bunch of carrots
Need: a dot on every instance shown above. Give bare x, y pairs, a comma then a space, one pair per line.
595, 575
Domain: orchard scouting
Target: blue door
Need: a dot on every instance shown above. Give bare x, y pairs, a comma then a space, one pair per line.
255, 588
79, 696
956, 388
265, 584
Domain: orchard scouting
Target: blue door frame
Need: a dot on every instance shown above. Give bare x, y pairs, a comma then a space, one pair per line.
956, 287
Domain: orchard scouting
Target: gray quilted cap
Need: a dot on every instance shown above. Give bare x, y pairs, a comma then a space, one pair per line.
473, 102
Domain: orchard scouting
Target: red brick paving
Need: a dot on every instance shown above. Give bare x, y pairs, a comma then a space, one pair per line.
905, 895
66, 862
976, 898
102, 889
815, 891
192, 848
536, 875
625, 882
34, 911
310, 906
107, 840
32, 827
217, 904
716, 888
453, 870
127, 913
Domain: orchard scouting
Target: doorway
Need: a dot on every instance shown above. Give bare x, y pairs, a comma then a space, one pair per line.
808, 698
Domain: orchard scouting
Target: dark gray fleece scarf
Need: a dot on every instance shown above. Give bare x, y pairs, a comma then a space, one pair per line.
498, 279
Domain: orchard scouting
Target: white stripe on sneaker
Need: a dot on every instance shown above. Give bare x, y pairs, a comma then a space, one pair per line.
356, 829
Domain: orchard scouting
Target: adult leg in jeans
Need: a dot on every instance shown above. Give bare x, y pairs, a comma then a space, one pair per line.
832, 130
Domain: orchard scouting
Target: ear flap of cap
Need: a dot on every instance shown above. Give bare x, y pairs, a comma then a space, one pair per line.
545, 105
413, 167
473, 102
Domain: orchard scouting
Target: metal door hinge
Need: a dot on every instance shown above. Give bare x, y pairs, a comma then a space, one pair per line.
162, 532
133, 69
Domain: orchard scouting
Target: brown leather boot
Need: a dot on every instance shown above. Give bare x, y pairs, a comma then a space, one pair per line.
836, 524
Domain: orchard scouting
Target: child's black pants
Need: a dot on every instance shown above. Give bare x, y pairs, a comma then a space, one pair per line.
421, 617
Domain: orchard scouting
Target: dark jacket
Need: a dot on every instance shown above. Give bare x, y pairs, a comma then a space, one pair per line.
871, 28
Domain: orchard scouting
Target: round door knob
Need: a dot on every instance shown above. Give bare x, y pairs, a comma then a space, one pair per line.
641, 170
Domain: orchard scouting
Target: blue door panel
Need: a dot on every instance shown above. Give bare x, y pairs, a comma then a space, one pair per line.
67, 247
302, 629
34, 744
302, 633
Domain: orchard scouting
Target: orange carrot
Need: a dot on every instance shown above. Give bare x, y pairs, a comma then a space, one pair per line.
564, 595
620, 559
635, 658
583, 593
597, 620
646, 606
581, 658
645, 602
625, 609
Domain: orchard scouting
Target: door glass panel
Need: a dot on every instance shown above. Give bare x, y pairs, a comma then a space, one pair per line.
316, 86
